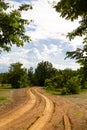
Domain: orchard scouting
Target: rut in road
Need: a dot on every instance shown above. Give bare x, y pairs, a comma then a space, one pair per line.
46, 115
30, 104
67, 122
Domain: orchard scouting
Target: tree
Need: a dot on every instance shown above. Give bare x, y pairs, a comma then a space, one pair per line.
67, 74
17, 75
3, 78
71, 10
12, 26
55, 82
31, 76
73, 85
44, 71
59, 80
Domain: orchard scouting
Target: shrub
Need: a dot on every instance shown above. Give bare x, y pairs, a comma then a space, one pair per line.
73, 85
85, 85
6, 86
49, 84
64, 91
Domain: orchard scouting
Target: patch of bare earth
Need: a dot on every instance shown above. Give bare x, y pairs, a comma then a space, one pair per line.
34, 109
70, 113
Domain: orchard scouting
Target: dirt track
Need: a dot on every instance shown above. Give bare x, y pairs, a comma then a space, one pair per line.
37, 110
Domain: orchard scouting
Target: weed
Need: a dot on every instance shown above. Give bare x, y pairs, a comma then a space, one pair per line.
79, 113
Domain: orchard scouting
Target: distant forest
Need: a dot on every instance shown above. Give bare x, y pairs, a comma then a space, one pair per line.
45, 75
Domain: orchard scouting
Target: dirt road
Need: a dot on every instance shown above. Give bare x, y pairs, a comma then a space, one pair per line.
46, 115
39, 124
34, 109
20, 111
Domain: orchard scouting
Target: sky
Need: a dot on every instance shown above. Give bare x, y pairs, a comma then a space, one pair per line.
48, 33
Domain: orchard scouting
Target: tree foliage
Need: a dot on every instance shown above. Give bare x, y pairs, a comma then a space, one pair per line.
73, 85
32, 77
65, 81
18, 76
12, 26
43, 71
71, 10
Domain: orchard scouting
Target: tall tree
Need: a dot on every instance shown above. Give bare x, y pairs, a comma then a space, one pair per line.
44, 70
31, 76
18, 76
71, 10
12, 26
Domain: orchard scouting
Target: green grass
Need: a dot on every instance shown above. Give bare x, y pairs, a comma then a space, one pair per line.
82, 94
5, 86
4, 96
55, 92
79, 113
3, 91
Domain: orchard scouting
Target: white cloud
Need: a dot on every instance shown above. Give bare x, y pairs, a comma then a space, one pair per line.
48, 21
72, 65
47, 25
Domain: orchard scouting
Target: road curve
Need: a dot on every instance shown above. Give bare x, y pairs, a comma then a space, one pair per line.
46, 115
29, 105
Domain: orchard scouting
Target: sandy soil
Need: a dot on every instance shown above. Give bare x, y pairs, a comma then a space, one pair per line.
34, 109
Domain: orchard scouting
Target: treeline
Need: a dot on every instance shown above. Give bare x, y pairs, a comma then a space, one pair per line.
68, 81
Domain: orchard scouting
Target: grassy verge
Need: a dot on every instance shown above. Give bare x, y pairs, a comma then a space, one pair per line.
5, 86
55, 92
4, 100
82, 94
5, 96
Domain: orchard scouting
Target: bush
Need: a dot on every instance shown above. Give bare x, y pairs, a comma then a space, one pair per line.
85, 85
73, 85
49, 84
5, 86
64, 91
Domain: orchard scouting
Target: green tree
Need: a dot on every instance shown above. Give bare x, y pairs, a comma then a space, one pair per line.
44, 71
82, 72
49, 84
12, 26
1, 78
31, 77
55, 82
67, 74
71, 10
4, 78
72, 86
18, 76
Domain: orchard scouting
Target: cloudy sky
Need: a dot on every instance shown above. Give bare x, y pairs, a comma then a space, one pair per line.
48, 33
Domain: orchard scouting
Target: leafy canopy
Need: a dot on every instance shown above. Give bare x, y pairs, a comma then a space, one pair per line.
71, 10
43, 71
12, 26
17, 75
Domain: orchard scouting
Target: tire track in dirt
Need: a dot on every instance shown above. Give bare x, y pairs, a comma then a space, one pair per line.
46, 115
67, 123
17, 114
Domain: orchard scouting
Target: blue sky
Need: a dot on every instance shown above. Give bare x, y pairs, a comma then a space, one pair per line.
48, 33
